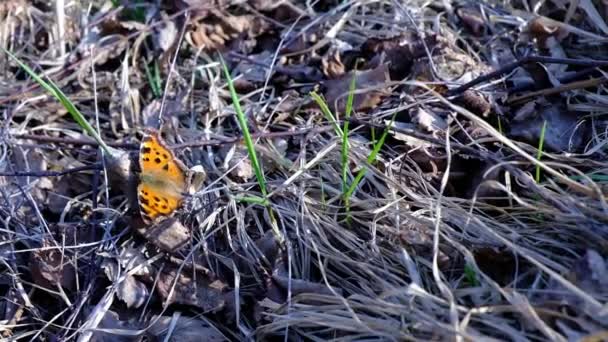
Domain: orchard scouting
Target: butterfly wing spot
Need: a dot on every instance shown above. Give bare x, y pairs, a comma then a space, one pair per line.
154, 203
163, 179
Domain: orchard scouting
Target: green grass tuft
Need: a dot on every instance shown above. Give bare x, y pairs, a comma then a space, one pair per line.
245, 129
65, 101
154, 80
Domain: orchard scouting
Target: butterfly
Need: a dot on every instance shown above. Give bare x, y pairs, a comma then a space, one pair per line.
163, 180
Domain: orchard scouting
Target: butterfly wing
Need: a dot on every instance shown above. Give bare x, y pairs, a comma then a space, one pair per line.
162, 180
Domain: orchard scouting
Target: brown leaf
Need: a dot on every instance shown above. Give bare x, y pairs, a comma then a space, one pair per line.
332, 64
169, 234
50, 267
219, 27
236, 161
368, 82
542, 28
476, 103
397, 52
472, 18
181, 288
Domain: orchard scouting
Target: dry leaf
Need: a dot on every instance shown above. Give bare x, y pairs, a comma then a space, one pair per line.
167, 35
370, 84
110, 321
428, 120
204, 293
169, 234
562, 131
184, 329
237, 161
51, 268
472, 18
397, 52
590, 274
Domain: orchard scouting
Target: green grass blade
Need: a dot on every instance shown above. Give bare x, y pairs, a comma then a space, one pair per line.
245, 129
470, 276
64, 100
327, 112
253, 200
370, 159
540, 149
345, 146
154, 80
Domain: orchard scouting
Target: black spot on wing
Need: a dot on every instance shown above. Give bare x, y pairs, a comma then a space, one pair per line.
166, 167
157, 160
145, 150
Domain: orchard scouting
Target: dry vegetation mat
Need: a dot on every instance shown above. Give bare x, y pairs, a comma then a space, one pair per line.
303, 170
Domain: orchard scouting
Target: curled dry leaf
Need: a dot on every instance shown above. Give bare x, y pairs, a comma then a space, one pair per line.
332, 64
219, 28
472, 18
541, 28
236, 160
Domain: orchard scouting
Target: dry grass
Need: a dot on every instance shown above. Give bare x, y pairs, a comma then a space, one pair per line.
447, 237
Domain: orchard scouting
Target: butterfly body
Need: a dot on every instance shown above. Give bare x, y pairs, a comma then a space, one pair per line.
163, 179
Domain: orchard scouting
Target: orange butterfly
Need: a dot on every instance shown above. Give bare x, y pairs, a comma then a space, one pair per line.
163, 179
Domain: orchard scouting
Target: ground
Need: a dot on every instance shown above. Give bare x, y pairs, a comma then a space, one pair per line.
303, 170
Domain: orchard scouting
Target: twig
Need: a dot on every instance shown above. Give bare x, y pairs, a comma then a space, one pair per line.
70, 141
528, 59
50, 173
556, 90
